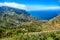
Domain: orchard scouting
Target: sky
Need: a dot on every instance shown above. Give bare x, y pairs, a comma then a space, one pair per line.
33, 4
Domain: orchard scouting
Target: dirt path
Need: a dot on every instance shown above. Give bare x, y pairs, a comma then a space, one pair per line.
44, 32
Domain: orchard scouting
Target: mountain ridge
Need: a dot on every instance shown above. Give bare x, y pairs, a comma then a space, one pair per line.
11, 15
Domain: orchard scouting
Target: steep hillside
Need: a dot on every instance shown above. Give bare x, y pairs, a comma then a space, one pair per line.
16, 24
52, 24
49, 30
55, 20
13, 17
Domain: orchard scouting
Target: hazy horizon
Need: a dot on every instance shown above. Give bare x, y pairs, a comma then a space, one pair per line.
32, 5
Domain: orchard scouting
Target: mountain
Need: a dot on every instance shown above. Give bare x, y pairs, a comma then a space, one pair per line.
16, 10
17, 24
13, 17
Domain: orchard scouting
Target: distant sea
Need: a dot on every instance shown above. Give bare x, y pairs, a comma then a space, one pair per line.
44, 15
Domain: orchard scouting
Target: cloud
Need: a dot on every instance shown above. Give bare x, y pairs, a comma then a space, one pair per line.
14, 5
29, 7
41, 7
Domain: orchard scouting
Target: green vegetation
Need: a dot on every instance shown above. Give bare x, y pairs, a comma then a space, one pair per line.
27, 36
25, 30
21, 26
